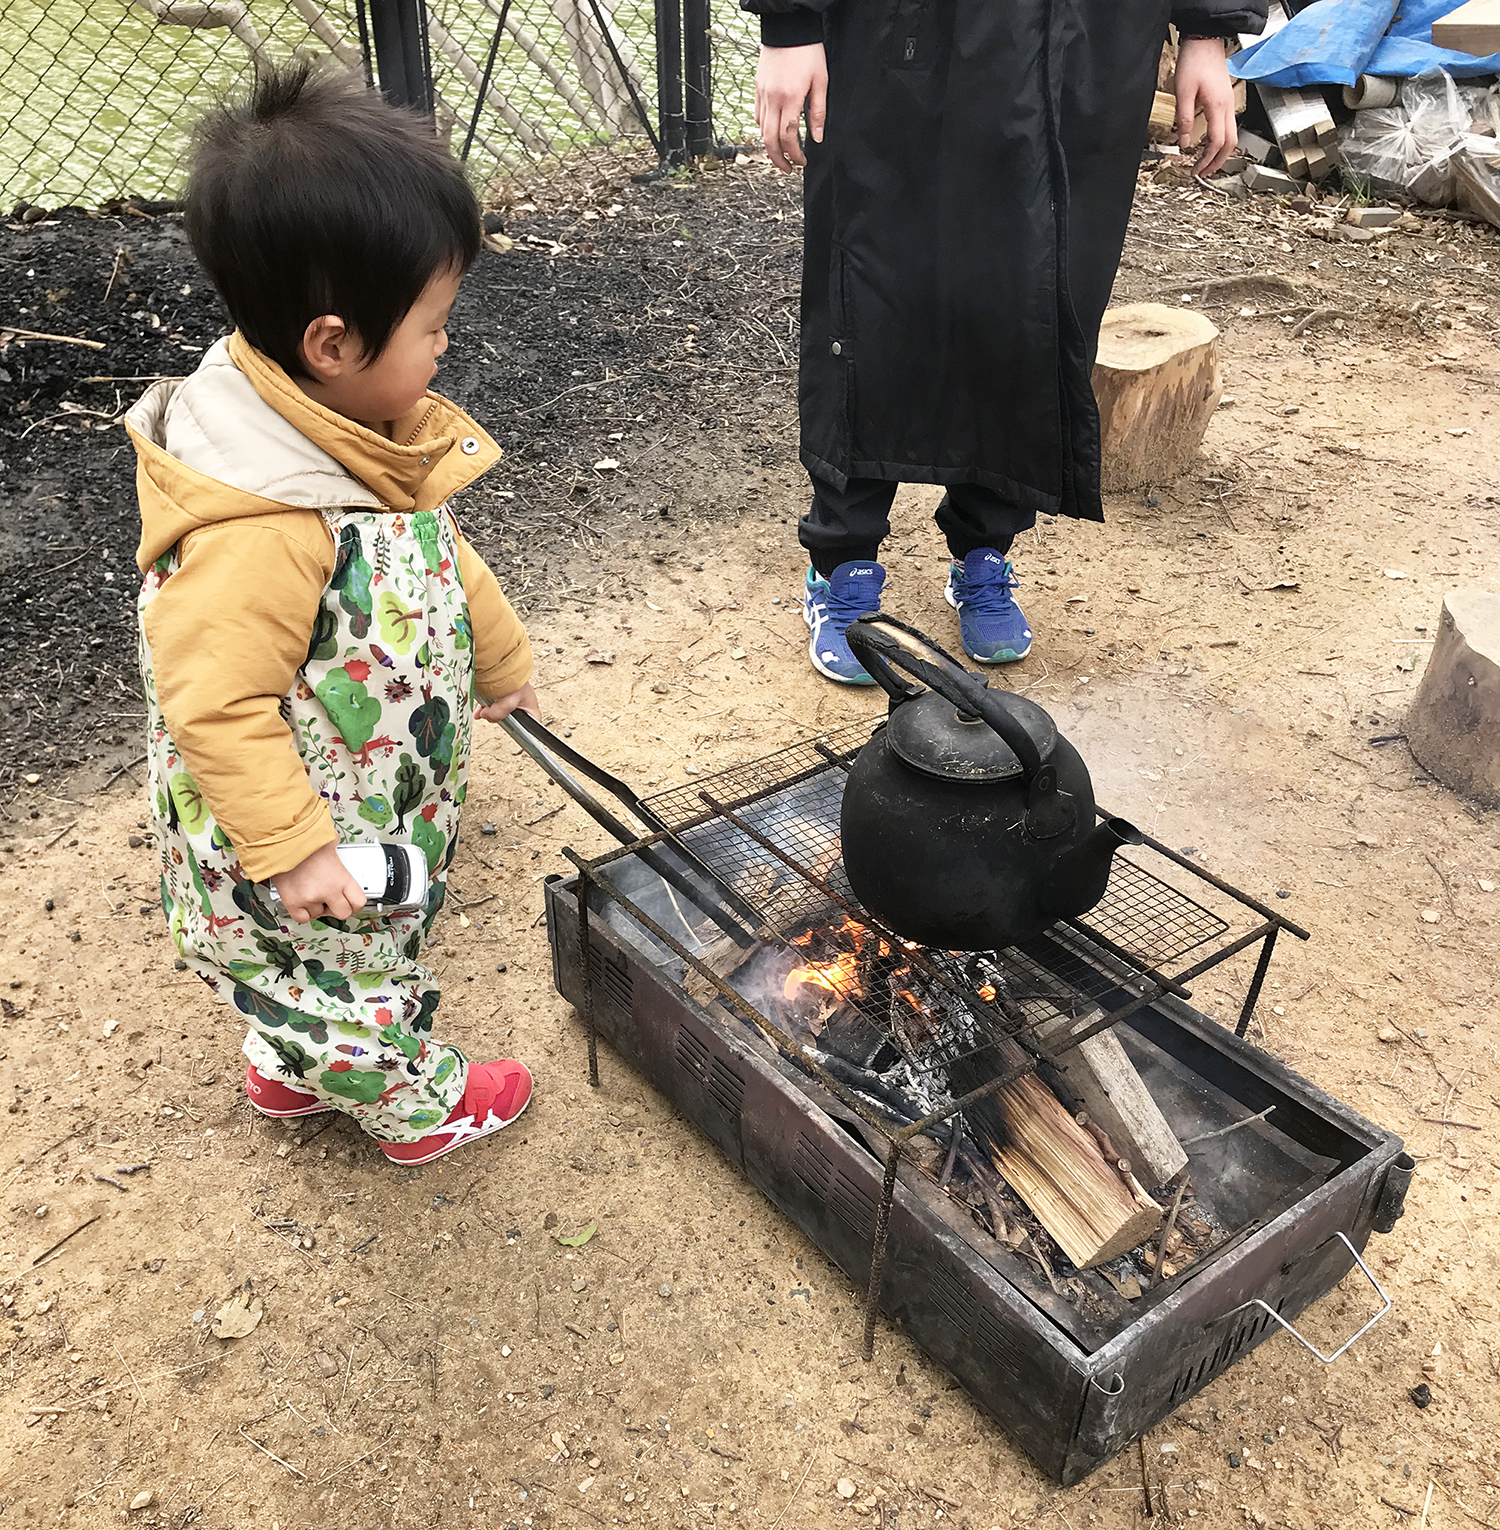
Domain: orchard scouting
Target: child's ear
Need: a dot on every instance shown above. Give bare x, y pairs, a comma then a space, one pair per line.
328, 348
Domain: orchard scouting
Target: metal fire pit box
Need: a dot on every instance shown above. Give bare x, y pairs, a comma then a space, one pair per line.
1298, 1179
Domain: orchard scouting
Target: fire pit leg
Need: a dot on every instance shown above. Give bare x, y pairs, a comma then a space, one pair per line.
1252, 995
588, 976
877, 1252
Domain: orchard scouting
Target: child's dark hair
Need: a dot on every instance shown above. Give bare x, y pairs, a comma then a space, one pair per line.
316, 196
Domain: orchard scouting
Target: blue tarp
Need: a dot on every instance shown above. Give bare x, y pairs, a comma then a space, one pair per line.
1335, 41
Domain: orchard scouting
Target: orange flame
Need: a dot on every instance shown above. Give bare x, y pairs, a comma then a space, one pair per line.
840, 976
987, 992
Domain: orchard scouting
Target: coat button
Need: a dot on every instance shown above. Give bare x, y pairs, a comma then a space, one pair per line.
468, 446
838, 350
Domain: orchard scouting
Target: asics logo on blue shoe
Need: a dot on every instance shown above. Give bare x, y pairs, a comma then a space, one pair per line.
993, 626
852, 590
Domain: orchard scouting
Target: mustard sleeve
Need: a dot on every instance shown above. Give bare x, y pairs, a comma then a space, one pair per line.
228, 632
502, 651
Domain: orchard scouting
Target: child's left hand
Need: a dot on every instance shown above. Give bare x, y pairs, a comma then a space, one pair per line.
523, 700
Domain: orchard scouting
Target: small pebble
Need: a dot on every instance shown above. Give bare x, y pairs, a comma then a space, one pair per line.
327, 1364
501, 967
1421, 1394
505, 1350
580, 1284
1234, 1458
49, 905
844, 1488
664, 1289
1281, 893
142, 1499
488, 830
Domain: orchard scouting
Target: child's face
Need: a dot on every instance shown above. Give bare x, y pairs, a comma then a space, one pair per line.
387, 387
400, 376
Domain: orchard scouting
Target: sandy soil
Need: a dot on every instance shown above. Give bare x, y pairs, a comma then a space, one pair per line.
1223, 653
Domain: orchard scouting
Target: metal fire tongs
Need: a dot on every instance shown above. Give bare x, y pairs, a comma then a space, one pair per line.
668, 857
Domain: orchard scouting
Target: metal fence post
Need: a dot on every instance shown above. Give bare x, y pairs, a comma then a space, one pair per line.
699, 93
673, 128
399, 30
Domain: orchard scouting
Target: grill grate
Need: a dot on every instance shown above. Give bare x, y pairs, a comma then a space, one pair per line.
793, 798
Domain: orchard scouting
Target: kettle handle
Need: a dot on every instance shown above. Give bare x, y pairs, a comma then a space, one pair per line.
880, 642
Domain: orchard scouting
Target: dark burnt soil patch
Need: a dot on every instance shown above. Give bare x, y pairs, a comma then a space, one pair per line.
648, 327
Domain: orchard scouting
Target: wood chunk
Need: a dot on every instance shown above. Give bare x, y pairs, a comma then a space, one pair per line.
1453, 725
1274, 182
1157, 383
1373, 217
1056, 1167
1105, 1083
1253, 146
1473, 28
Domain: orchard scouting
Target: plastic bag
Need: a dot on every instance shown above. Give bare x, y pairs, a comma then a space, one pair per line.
1410, 146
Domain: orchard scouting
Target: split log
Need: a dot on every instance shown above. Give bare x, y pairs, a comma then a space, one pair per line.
1453, 724
1157, 383
1105, 1083
1472, 28
1057, 1168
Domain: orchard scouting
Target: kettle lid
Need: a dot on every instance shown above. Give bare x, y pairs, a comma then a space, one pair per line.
932, 736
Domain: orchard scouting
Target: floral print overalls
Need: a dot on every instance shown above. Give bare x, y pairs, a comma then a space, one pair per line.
381, 715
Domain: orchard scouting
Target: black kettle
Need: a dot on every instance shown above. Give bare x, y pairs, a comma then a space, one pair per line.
968, 822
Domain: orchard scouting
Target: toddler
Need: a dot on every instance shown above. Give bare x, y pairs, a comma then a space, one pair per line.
315, 633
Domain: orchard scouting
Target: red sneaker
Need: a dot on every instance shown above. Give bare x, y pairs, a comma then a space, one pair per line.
494, 1095
273, 1098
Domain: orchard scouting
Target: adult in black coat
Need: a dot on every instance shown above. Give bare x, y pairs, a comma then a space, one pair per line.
964, 214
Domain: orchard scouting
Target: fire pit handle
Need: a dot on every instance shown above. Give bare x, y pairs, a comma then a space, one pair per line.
1305, 1342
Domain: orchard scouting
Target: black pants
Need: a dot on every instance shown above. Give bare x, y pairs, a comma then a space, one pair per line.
849, 526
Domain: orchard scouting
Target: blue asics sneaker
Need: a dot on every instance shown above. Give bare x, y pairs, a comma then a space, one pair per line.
852, 590
993, 627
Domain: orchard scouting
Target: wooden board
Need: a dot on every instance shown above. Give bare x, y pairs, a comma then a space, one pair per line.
1473, 28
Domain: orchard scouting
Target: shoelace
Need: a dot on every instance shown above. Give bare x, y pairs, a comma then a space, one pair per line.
992, 597
862, 597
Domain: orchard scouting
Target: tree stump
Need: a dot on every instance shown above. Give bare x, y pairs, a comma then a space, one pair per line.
1453, 725
1157, 382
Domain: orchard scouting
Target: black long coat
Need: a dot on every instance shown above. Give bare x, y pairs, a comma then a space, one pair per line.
964, 219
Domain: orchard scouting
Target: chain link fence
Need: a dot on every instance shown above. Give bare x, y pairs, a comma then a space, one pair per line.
102, 94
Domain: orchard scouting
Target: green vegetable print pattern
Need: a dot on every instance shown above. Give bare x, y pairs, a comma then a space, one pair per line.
381, 714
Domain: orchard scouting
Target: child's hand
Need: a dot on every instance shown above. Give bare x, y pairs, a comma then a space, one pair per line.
523, 700
319, 885
1204, 86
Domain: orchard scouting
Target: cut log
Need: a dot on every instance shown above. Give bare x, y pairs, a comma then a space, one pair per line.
1453, 724
1157, 382
1472, 28
1103, 1080
1056, 1167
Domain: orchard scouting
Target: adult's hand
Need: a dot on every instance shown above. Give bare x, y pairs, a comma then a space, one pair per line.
1205, 89
786, 80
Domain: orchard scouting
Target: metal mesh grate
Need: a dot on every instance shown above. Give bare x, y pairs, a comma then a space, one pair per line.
793, 798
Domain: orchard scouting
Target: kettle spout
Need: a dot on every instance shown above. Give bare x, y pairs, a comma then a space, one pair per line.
1077, 878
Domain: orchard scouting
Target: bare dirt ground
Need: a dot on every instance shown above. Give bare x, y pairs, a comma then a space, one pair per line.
1226, 652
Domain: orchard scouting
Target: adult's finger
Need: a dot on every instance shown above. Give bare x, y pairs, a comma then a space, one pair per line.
817, 106
1220, 139
791, 133
1186, 101
774, 133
